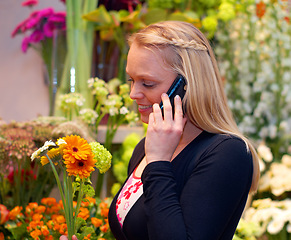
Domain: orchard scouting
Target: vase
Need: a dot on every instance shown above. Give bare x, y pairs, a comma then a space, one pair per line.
54, 54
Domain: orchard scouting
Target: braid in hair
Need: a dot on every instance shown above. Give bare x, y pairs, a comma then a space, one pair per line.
191, 44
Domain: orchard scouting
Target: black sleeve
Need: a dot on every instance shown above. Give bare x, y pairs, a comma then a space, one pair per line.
211, 201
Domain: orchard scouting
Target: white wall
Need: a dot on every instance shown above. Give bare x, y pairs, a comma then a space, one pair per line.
23, 93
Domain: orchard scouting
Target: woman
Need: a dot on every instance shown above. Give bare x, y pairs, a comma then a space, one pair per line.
191, 175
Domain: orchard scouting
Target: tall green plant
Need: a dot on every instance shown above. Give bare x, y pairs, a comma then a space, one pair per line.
80, 38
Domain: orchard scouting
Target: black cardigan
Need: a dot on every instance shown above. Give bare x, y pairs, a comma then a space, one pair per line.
200, 195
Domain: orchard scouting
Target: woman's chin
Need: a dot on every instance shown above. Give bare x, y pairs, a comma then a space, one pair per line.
144, 119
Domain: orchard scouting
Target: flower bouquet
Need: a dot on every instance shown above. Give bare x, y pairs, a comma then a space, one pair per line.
111, 102
77, 159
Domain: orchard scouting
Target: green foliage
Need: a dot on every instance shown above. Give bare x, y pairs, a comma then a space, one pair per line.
121, 158
17, 231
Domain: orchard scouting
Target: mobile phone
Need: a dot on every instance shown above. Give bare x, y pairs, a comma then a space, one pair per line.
177, 88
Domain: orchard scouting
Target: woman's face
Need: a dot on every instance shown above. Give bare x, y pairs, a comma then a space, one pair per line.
149, 78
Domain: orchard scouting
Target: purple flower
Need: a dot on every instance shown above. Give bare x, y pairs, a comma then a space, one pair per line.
29, 3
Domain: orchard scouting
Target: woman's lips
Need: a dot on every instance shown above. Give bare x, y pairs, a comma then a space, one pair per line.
144, 108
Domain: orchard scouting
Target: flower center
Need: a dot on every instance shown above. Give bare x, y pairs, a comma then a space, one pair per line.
75, 149
81, 164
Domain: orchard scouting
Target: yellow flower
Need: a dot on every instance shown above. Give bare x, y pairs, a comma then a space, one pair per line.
76, 148
54, 152
81, 168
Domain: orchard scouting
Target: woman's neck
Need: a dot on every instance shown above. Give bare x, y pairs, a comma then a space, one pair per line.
189, 134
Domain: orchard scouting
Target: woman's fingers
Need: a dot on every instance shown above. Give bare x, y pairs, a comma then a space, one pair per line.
168, 115
157, 114
179, 118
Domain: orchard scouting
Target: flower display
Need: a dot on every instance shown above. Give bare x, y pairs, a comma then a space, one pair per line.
22, 181
247, 230
277, 179
272, 216
77, 160
46, 220
254, 56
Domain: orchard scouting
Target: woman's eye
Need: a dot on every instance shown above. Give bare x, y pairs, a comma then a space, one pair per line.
148, 85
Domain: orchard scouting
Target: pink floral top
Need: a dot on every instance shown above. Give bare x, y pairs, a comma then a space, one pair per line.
129, 194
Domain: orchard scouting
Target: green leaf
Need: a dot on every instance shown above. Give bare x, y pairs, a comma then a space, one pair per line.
88, 190
155, 15
17, 232
100, 15
80, 222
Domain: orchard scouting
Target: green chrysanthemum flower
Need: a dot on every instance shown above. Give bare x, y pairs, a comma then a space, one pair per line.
102, 155
210, 24
226, 11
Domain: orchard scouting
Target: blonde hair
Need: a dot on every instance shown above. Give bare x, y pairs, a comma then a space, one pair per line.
187, 51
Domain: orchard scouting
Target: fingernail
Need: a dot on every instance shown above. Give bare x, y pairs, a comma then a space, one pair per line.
164, 95
177, 96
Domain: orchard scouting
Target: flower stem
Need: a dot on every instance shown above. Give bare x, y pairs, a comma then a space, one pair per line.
79, 200
62, 194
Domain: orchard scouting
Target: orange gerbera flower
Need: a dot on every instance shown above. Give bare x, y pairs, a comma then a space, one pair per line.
81, 168
76, 148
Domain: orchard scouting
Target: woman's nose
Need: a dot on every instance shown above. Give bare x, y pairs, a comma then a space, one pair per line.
135, 92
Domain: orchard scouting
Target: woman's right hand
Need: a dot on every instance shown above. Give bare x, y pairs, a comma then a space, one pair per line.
64, 237
163, 134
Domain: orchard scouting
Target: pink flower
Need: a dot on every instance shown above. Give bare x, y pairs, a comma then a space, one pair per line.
59, 20
48, 29
25, 44
19, 28
41, 23
59, 17
45, 12
37, 36
29, 3
32, 22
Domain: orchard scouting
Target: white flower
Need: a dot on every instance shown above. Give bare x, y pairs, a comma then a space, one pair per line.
286, 160
61, 142
276, 225
113, 111
46, 145
273, 131
124, 110
265, 152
